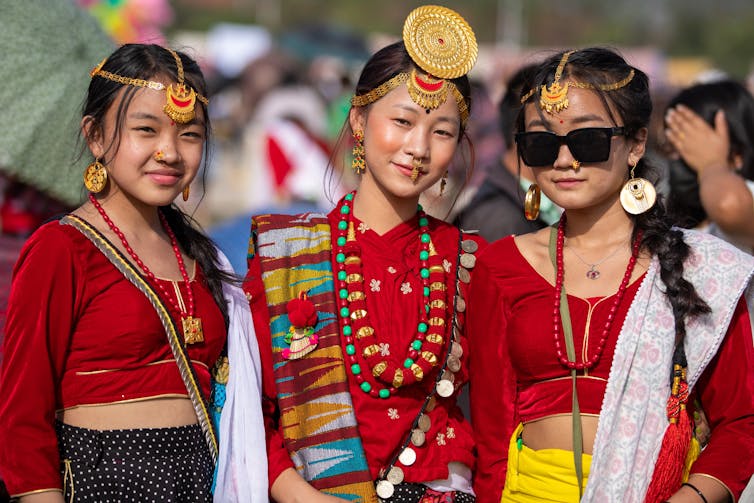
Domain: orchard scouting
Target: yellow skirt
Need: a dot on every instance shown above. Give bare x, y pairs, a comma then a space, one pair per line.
546, 475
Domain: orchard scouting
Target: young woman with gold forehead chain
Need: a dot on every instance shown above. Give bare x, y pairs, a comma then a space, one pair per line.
607, 348
119, 312
358, 312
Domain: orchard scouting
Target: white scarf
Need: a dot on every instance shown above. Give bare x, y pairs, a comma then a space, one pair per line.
632, 420
242, 459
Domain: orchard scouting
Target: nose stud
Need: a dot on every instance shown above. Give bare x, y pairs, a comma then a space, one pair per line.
576, 165
159, 156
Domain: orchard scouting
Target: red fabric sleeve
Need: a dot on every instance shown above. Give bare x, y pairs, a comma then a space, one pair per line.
492, 382
278, 458
41, 316
726, 390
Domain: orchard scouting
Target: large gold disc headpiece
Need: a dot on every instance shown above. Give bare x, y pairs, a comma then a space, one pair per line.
442, 44
440, 41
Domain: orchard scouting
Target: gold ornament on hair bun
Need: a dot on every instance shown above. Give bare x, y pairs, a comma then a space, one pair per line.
442, 44
440, 41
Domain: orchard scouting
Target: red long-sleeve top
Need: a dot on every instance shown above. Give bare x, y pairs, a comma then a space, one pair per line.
79, 333
516, 376
393, 291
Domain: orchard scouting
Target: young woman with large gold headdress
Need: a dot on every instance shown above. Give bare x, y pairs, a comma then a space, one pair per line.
358, 312
596, 343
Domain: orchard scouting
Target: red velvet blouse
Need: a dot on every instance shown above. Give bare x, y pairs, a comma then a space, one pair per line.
79, 333
392, 287
516, 376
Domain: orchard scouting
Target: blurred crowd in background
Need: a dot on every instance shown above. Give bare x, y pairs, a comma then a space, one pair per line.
278, 103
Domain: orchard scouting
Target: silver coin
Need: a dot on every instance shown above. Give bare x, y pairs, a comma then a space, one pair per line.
449, 376
454, 363
418, 437
468, 260
407, 457
445, 388
460, 304
385, 489
424, 423
469, 245
464, 275
395, 475
456, 350
431, 404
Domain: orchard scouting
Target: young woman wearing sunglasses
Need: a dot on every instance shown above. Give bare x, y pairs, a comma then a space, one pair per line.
596, 343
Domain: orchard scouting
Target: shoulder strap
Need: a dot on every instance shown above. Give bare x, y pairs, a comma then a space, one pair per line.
175, 341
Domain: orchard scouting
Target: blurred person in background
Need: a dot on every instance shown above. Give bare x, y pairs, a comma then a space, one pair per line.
710, 129
496, 208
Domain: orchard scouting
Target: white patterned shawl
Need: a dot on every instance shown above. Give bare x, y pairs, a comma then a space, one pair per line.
633, 419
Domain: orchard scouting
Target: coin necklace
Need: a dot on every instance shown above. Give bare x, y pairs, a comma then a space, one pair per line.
192, 325
590, 362
357, 329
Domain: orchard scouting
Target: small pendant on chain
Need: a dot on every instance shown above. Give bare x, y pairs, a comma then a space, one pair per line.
593, 273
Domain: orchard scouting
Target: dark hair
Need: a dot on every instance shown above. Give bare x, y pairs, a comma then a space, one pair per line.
706, 99
149, 62
633, 105
510, 104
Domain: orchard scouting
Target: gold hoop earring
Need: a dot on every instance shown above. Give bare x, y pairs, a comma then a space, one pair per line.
638, 194
95, 177
186, 192
531, 202
357, 163
443, 183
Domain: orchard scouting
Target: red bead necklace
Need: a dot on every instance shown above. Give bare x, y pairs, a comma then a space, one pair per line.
357, 329
192, 326
589, 363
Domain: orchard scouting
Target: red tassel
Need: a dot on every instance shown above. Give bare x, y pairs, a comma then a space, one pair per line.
668, 473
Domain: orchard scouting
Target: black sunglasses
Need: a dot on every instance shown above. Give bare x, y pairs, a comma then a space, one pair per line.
589, 144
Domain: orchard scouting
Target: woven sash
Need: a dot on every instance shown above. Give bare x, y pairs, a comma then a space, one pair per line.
317, 417
175, 338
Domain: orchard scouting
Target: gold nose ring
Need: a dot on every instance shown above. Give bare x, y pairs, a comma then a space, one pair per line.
576, 165
159, 156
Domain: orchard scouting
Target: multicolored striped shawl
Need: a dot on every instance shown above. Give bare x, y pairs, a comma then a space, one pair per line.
317, 417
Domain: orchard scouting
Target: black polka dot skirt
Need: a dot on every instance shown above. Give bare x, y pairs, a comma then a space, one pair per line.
145, 465
409, 492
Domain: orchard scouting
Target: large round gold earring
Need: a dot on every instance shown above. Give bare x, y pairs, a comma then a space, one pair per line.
531, 202
638, 194
95, 177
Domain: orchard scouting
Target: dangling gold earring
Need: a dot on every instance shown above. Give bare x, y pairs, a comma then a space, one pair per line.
357, 164
186, 192
531, 202
443, 183
638, 194
95, 177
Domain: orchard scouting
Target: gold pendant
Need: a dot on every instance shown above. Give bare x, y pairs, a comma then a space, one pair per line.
192, 330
